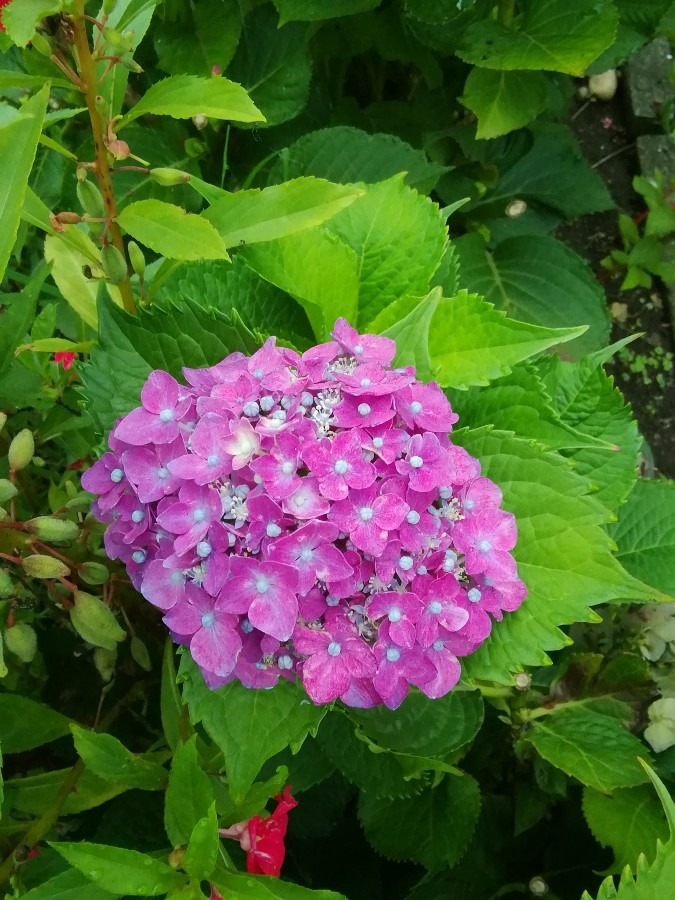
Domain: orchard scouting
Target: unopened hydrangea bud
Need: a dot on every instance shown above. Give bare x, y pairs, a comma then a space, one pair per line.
21, 450
41, 566
516, 208
7, 490
105, 662
140, 655
168, 177
21, 640
6, 585
538, 886
200, 121
95, 622
522, 681
49, 528
93, 573
113, 264
137, 258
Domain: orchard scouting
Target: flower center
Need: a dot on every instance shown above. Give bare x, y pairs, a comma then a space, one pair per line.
365, 382
469, 504
415, 407
358, 349
258, 373
177, 577
212, 459
332, 600
334, 648
363, 409
434, 607
406, 563
116, 475
166, 415
474, 595
285, 662
416, 462
273, 530
394, 614
341, 467
162, 472
485, 546
393, 655
262, 584
287, 467
138, 556
246, 626
208, 619
438, 645
306, 554
251, 409
365, 514
413, 517
137, 515
199, 514
203, 549
450, 561
378, 442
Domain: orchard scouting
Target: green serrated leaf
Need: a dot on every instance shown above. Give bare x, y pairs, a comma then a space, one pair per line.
407, 321
214, 28
107, 757
189, 794
594, 748
25, 724
17, 317
503, 100
347, 155
20, 18
69, 885
645, 534
317, 10
123, 871
555, 35
433, 828
558, 291
237, 886
171, 231
202, 850
185, 96
471, 342
247, 217
33, 794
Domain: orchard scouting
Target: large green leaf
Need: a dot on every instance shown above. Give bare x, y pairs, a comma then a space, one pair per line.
69, 885
68, 265
317, 268
33, 794
185, 96
202, 850
119, 870
165, 338
132, 19
171, 231
250, 726
25, 724
520, 403
17, 315
503, 100
538, 280
471, 342
316, 10
407, 321
645, 534
630, 821
398, 237
433, 828
273, 64
237, 886
20, 18
594, 748
248, 217
18, 145
563, 552
189, 794
586, 399
214, 27
346, 155
107, 757
558, 35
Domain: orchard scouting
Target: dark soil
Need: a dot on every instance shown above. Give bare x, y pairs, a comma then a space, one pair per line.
644, 369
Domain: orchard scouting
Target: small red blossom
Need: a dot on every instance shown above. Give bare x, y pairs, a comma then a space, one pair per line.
263, 839
65, 357
3, 3
607, 122
76, 465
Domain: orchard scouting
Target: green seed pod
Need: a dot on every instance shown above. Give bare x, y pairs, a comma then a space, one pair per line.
194, 147
21, 640
137, 258
91, 199
94, 622
114, 37
21, 450
6, 586
39, 462
93, 573
114, 264
105, 662
169, 177
130, 63
7, 490
140, 654
102, 107
40, 43
40, 566
108, 6
49, 528
3, 420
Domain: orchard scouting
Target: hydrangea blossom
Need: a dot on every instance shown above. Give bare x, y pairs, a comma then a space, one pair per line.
308, 515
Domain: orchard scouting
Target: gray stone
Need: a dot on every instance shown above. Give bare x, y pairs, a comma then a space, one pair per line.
648, 76
657, 151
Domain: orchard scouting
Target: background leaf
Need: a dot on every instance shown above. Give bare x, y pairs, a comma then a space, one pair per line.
504, 101
171, 231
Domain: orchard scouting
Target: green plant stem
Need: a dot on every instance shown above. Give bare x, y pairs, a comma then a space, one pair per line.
87, 71
42, 826
507, 11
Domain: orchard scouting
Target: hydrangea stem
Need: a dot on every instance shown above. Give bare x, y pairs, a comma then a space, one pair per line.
507, 11
87, 71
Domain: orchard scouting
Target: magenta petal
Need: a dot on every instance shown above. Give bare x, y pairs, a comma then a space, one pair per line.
325, 677
159, 392
274, 613
216, 646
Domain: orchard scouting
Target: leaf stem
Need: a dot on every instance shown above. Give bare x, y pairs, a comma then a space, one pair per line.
507, 11
87, 71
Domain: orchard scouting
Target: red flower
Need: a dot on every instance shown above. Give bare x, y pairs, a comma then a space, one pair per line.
263, 839
3, 3
65, 357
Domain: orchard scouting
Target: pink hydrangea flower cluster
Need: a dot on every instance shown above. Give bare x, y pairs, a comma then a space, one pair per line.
307, 514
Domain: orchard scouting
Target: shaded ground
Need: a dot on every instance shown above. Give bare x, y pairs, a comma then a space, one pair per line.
644, 369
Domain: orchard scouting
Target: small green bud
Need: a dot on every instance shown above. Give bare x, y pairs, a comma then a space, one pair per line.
114, 37
105, 662
137, 258
3, 668
114, 264
194, 147
94, 622
130, 63
39, 462
6, 586
7, 490
169, 177
108, 7
21, 640
90, 199
3, 420
93, 572
49, 528
102, 107
40, 566
80, 502
21, 450
40, 43
139, 653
